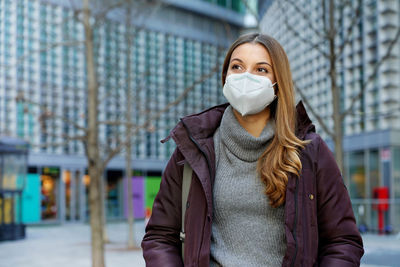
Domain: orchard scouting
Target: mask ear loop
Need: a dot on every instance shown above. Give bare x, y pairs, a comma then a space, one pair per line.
275, 93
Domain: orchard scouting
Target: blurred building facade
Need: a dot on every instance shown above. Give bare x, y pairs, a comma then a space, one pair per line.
42, 59
372, 132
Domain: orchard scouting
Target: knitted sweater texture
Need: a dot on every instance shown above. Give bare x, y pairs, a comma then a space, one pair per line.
246, 230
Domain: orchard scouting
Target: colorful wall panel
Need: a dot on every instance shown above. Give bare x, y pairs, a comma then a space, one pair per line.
138, 197
31, 199
152, 185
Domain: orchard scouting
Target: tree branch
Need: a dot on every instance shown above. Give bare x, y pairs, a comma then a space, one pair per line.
118, 123
65, 136
76, 11
373, 75
156, 116
184, 93
376, 114
324, 12
45, 145
47, 48
112, 152
99, 17
306, 17
355, 20
48, 113
303, 39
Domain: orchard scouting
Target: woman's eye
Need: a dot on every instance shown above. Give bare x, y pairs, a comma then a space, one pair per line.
262, 70
235, 67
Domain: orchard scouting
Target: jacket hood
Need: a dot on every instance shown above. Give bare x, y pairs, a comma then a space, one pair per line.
204, 124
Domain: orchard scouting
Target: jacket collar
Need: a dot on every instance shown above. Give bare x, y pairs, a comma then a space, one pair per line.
204, 124
304, 124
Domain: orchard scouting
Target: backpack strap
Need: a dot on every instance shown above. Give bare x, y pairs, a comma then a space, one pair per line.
186, 181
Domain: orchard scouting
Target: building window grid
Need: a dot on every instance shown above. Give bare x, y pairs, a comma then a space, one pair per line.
52, 63
357, 48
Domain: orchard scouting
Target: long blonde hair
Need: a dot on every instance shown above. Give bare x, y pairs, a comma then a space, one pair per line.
281, 157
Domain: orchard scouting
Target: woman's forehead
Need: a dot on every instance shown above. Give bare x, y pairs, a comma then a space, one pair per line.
251, 51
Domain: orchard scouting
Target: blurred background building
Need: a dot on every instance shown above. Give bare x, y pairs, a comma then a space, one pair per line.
174, 44
372, 132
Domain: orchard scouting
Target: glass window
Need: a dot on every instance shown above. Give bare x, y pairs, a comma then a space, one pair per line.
374, 174
113, 194
357, 174
49, 189
14, 171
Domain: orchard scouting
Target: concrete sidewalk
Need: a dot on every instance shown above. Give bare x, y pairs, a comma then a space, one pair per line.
69, 245
381, 250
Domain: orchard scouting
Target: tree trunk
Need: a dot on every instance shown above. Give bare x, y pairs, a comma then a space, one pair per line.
128, 173
128, 116
96, 222
103, 183
337, 122
92, 146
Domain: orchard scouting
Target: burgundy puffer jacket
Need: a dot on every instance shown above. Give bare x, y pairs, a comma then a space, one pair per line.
319, 222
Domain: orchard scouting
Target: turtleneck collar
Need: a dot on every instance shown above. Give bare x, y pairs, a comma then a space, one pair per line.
240, 142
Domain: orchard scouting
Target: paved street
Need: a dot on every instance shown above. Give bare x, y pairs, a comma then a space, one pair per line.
69, 245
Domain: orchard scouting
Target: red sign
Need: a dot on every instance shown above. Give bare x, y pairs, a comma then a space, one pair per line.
382, 194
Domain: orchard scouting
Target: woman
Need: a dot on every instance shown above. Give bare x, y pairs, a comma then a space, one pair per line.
265, 190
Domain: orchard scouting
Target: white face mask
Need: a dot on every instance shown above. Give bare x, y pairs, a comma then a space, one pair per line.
248, 93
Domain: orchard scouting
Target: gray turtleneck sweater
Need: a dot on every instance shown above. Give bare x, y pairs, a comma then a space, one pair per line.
246, 230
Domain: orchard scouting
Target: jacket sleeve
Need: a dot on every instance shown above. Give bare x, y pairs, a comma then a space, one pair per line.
161, 244
340, 243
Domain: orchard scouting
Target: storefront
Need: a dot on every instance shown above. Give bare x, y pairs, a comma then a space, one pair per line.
62, 191
13, 162
373, 166
58, 189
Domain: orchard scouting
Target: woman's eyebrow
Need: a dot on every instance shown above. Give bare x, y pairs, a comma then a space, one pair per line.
238, 59
259, 63
263, 62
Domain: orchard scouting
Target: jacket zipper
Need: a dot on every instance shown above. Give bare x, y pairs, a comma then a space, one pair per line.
295, 221
209, 169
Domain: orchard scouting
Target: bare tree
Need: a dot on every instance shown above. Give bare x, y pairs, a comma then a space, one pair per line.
91, 144
128, 117
98, 155
327, 43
